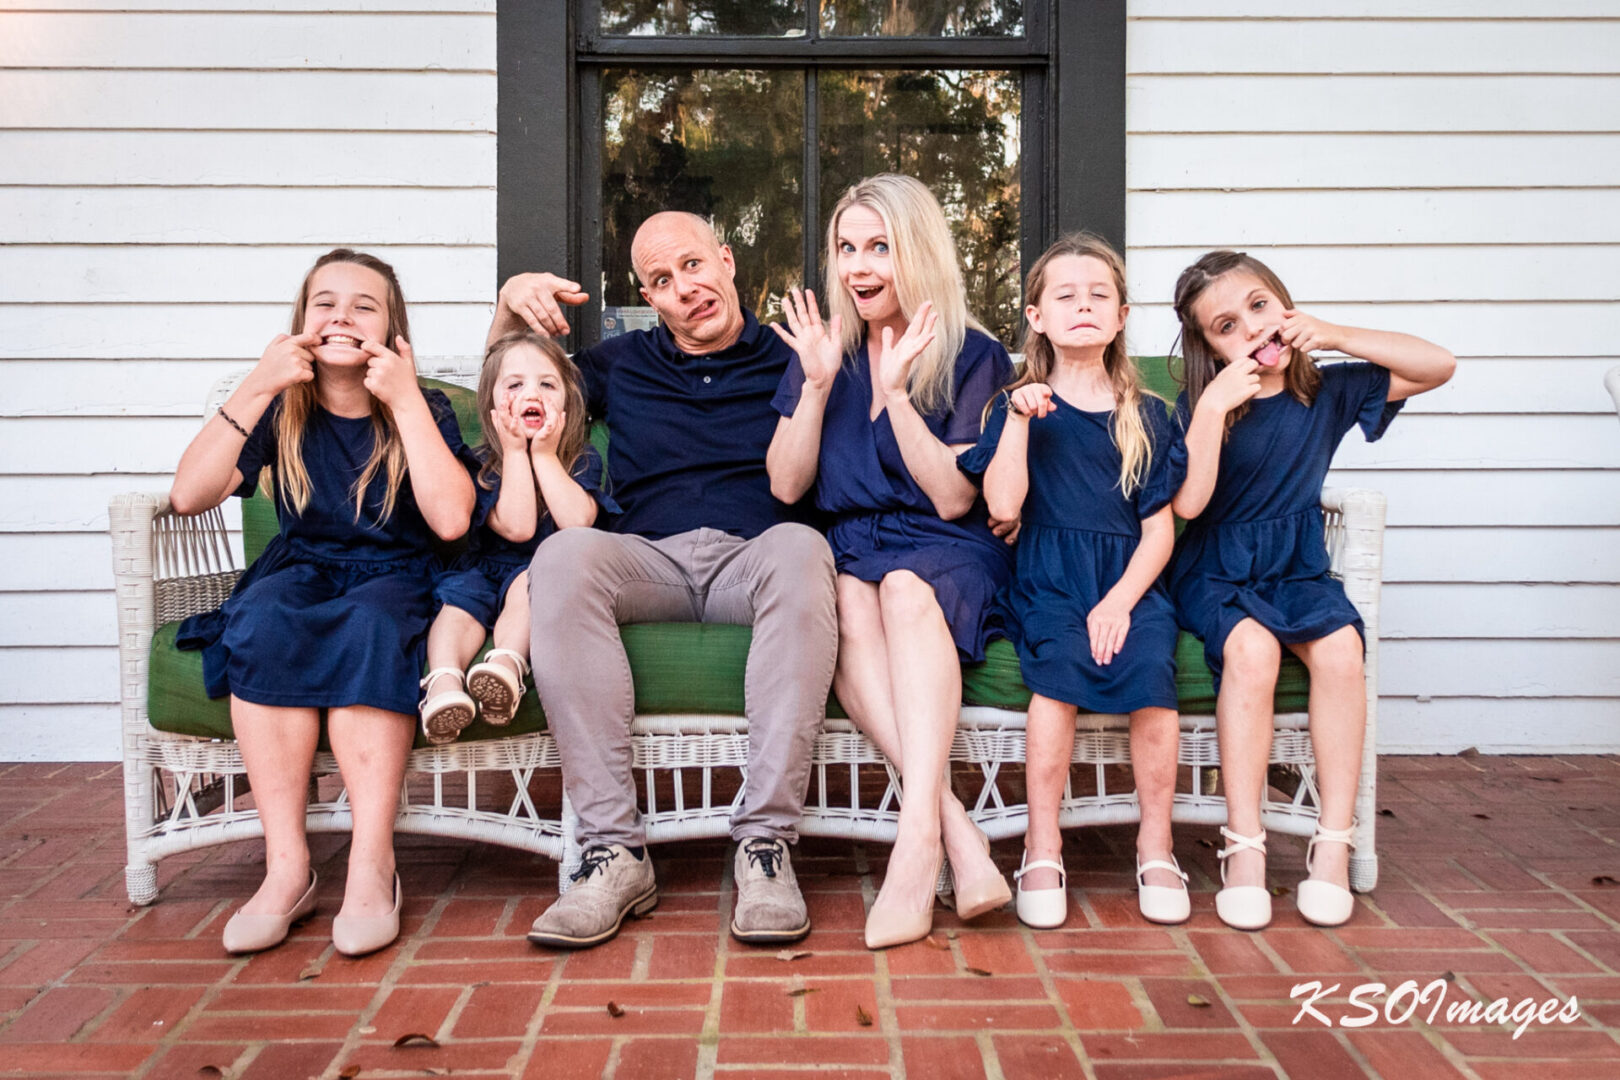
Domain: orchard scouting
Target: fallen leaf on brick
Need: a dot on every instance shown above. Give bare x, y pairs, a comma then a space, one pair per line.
1197, 1002
800, 991
416, 1038
934, 942
1472, 751
1279, 890
1604, 879
210, 1071
615, 1010
979, 972
1549, 779
790, 954
1386, 813
1483, 817
348, 1072
313, 970
951, 934
1450, 976
1205, 843
862, 1017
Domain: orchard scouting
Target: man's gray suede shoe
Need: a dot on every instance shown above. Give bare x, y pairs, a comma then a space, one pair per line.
610, 884
770, 909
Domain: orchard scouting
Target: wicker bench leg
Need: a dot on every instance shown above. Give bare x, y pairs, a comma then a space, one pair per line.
140, 880
1363, 872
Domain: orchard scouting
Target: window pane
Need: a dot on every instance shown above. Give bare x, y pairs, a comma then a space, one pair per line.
768, 18
922, 18
957, 132
726, 145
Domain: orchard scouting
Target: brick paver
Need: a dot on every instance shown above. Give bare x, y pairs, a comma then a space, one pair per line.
1497, 886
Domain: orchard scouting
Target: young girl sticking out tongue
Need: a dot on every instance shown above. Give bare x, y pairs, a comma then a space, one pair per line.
1080, 451
1250, 573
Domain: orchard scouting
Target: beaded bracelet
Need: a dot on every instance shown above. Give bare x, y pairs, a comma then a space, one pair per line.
232, 422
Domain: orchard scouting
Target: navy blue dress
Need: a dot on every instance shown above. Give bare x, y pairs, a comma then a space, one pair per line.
1258, 550
477, 581
882, 521
335, 612
1079, 533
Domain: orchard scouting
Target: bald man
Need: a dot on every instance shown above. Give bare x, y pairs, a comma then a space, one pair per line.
700, 539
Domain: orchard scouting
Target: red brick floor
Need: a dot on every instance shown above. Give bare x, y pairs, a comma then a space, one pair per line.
1498, 878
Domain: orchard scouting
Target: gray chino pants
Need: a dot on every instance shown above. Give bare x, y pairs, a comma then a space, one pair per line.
584, 583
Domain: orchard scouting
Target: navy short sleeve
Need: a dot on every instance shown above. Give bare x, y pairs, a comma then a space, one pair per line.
587, 473
592, 364
983, 369
1358, 395
258, 451
975, 463
444, 415
788, 390
1163, 479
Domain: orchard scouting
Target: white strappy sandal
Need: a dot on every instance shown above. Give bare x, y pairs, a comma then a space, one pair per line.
1043, 909
1322, 902
1242, 907
445, 714
494, 686
1161, 903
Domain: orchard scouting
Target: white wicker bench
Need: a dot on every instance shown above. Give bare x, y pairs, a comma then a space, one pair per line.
181, 792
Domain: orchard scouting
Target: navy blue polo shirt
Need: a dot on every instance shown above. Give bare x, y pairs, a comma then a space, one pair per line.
687, 435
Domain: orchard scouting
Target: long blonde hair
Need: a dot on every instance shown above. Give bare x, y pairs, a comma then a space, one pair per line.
1129, 434
925, 268
298, 402
570, 445
1201, 363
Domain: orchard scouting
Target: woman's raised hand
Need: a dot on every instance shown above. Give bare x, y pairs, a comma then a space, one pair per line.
1234, 384
894, 370
1033, 400
287, 360
391, 374
818, 345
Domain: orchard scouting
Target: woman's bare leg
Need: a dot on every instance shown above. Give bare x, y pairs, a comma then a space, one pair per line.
278, 749
371, 747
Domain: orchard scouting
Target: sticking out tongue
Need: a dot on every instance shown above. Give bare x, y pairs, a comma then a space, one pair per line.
1268, 354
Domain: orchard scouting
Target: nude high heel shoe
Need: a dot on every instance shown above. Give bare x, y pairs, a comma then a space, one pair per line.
979, 895
885, 928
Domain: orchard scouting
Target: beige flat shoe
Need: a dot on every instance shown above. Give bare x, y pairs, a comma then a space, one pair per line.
357, 935
256, 933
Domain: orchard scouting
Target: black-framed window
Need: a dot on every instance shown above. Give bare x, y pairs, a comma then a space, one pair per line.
759, 113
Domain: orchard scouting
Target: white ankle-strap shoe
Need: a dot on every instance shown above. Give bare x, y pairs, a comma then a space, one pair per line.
1161, 903
1043, 909
1322, 902
1242, 907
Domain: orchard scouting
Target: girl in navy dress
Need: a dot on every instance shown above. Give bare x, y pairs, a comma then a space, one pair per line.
1080, 452
1250, 573
535, 473
875, 408
364, 470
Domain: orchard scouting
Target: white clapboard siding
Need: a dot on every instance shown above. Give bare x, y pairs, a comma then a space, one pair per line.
78, 618
105, 388
1380, 273
374, 41
1467, 667
247, 100
259, 158
61, 675
206, 330
1363, 103
55, 562
235, 215
59, 732
211, 6
1449, 169
1343, 161
1530, 726
1496, 554
226, 274
1316, 46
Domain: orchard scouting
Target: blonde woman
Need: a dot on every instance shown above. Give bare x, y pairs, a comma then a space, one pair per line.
365, 472
875, 408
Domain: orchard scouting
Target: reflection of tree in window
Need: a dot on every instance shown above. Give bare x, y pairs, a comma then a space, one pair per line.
727, 145
957, 132
747, 17
922, 18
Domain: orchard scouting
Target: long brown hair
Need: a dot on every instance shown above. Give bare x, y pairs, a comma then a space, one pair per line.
1200, 362
298, 402
1126, 429
570, 445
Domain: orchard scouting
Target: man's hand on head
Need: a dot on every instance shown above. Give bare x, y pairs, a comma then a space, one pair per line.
537, 300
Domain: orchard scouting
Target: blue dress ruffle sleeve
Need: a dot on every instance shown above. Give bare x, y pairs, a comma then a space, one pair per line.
1258, 550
